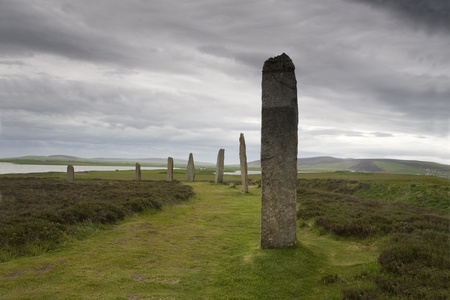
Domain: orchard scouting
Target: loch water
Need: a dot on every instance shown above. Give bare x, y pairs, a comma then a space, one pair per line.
10, 168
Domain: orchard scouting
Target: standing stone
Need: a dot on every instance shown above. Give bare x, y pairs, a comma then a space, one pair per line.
243, 159
138, 172
169, 169
70, 173
190, 170
220, 165
279, 123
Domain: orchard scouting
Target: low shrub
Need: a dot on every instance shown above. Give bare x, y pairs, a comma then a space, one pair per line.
342, 186
141, 204
28, 231
95, 212
39, 214
360, 295
414, 263
331, 278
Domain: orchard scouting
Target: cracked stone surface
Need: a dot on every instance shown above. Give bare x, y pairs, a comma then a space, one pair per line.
279, 123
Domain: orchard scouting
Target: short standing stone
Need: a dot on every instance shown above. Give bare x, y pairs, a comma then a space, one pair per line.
190, 170
243, 160
279, 123
169, 169
70, 173
220, 165
138, 172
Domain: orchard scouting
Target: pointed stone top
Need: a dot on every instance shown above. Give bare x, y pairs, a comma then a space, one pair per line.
279, 64
241, 137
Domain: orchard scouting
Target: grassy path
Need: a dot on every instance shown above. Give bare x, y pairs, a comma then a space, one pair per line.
207, 248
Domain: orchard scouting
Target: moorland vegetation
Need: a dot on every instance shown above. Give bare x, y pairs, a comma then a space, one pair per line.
37, 215
395, 229
414, 259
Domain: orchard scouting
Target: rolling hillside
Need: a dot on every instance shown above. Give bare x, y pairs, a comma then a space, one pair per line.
305, 165
65, 159
393, 166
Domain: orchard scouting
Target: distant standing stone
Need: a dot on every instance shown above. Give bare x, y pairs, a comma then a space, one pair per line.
243, 160
169, 169
279, 123
220, 165
70, 173
138, 172
190, 170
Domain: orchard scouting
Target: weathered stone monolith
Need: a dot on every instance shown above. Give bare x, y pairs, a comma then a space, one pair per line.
190, 170
70, 173
243, 160
169, 169
220, 165
138, 172
279, 123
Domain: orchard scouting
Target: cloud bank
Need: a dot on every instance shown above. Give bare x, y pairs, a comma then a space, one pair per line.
164, 78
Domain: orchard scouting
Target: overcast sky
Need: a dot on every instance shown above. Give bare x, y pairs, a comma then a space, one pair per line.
159, 78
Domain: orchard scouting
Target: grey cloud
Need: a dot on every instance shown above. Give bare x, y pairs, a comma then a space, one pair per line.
217, 50
333, 132
382, 134
29, 30
419, 103
12, 63
252, 59
42, 29
341, 132
191, 71
429, 15
57, 110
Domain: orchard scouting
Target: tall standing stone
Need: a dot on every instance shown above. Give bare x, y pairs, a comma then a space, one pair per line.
138, 172
169, 169
70, 173
220, 165
243, 160
279, 123
190, 170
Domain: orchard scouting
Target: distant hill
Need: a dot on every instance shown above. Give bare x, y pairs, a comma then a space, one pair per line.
309, 164
65, 159
378, 165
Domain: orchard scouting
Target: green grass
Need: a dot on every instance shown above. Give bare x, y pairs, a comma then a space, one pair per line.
205, 248
393, 167
414, 258
327, 167
180, 175
39, 214
424, 191
208, 248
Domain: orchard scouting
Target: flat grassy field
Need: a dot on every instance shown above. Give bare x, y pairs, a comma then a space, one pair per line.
208, 247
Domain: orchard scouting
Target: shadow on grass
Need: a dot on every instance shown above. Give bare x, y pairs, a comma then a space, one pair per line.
266, 274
